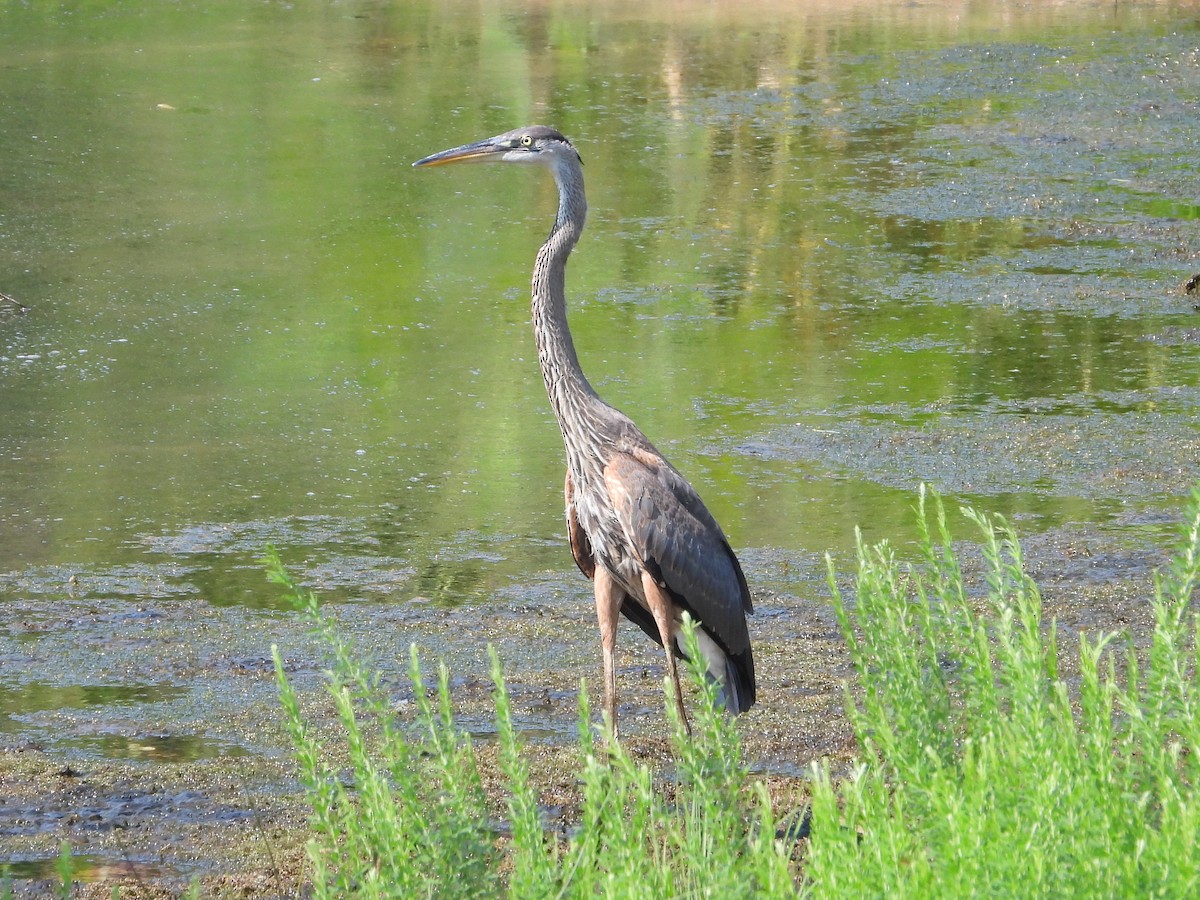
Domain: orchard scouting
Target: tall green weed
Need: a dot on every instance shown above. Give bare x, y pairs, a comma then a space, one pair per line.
411, 819
984, 772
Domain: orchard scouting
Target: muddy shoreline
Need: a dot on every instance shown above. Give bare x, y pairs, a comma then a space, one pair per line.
237, 822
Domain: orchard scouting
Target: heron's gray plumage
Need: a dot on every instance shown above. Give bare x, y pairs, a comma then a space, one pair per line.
636, 526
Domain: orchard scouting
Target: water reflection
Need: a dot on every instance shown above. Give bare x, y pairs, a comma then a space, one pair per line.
34, 696
250, 313
90, 869
163, 748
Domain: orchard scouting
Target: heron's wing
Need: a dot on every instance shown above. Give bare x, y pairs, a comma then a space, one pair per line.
581, 547
680, 543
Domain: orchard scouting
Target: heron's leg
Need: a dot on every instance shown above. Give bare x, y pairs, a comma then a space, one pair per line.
663, 611
608, 611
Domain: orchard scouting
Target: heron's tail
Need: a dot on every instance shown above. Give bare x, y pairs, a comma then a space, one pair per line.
737, 693
733, 674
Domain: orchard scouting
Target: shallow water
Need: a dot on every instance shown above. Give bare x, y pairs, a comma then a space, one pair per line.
831, 254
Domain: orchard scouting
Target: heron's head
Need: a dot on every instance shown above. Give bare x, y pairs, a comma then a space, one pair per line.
535, 144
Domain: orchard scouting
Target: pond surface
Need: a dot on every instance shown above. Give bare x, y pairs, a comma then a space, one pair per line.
832, 253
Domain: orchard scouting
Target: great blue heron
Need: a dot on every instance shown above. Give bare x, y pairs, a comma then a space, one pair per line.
637, 528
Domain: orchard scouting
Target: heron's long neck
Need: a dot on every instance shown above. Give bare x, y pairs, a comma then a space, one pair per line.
570, 393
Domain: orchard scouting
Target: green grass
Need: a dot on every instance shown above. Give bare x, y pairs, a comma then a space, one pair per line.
412, 820
984, 771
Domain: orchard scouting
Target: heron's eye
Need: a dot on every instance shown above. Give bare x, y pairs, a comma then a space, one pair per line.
526, 141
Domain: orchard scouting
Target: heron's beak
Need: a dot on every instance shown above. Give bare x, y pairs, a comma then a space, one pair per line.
480, 151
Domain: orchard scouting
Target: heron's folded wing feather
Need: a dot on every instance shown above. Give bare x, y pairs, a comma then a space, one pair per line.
680, 544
